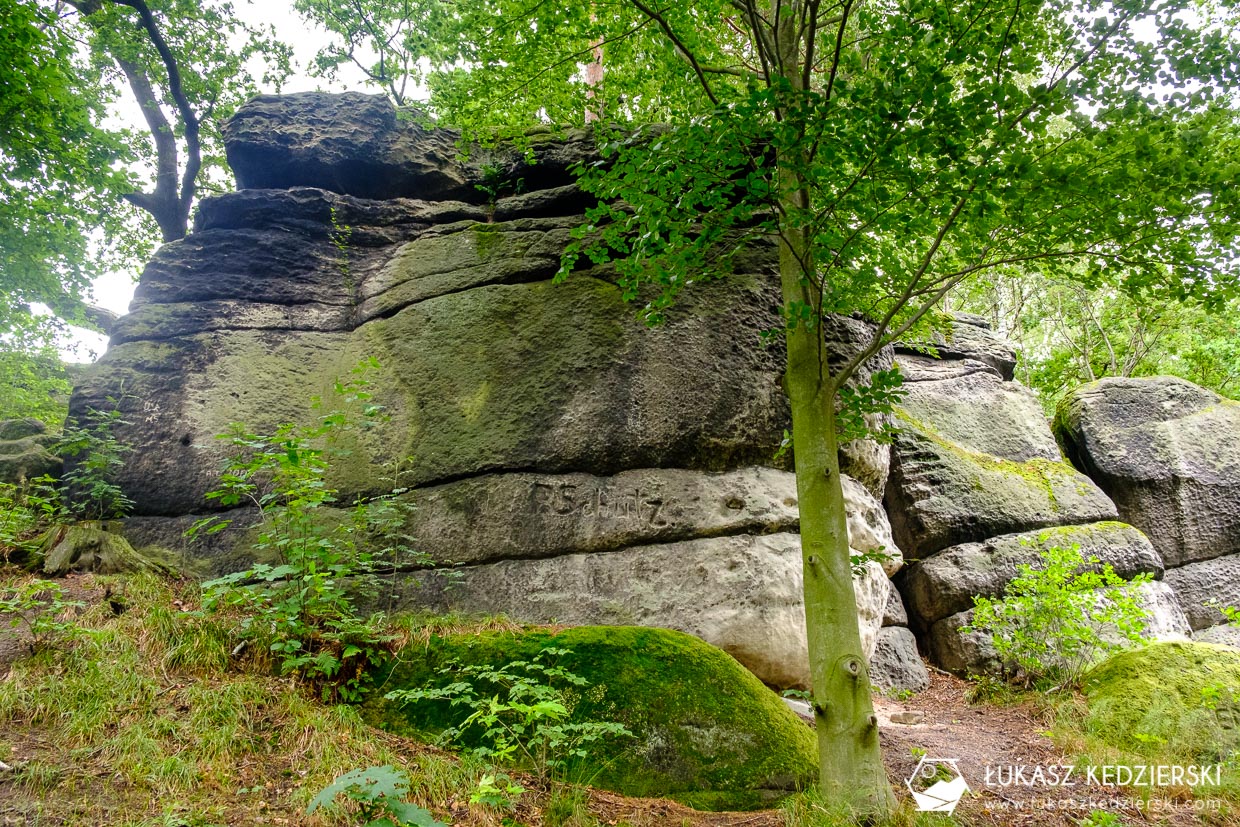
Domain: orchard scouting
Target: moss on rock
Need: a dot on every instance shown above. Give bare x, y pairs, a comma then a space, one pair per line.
707, 732
1181, 698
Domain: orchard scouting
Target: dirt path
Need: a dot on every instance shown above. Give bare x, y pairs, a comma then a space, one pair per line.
998, 738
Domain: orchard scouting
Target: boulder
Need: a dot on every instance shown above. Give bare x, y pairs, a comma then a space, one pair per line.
946, 583
981, 412
740, 593
971, 338
1200, 586
705, 732
15, 429
973, 653
1167, 700
895, 666
1226, 634
578, 385
942, 494
362, 145
24, 451
530, 516
1166, 452
895, 614
869, 531
864, 460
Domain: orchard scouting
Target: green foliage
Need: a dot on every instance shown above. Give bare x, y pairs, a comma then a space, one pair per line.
378, 794
303, 608
1101, 818
33, 379
728, 740
96, 455
1056, 621
26, 511
58, 178
39, 607
519, 712
1067, 333
496, 790
879, 395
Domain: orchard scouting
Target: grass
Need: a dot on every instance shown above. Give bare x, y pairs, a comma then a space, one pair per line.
142, 714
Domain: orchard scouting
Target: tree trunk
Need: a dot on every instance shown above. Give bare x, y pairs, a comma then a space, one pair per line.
852, 771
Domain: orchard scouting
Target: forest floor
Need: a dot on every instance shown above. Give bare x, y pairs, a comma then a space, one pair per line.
117, 737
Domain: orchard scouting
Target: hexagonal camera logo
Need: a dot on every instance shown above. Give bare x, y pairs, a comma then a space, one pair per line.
937, 785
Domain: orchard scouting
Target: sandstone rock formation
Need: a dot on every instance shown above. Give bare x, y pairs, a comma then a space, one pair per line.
1167, 452
978, 487
571, 463
24, 451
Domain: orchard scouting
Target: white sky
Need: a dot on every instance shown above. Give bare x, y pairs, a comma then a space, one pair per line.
115, 290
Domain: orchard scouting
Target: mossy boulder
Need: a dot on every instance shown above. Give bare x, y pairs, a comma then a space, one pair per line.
707, 732
1165, 450
941, 493
1182, 698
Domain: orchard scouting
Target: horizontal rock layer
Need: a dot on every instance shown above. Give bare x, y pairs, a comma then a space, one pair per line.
742, 594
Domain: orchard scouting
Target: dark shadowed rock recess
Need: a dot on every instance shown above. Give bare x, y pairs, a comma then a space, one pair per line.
571, 463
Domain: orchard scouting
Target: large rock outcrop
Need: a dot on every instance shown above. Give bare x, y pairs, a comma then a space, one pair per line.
572, 464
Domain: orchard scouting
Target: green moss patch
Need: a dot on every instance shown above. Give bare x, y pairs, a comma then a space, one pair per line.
707, 732
1181, 699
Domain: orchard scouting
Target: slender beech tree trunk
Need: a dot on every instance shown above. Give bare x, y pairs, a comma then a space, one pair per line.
851, 766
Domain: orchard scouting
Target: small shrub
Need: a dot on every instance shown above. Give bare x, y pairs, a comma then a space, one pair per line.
39, 606
378, 793
26, 511
520, 712
1053, 622
90, 487
304, 607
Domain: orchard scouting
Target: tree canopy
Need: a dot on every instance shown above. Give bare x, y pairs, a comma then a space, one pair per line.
69, 165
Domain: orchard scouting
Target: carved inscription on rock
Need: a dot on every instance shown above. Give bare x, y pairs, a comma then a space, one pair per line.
604, 504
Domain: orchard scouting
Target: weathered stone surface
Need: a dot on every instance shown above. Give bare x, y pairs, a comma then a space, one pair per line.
895, 613
1200, 585
24, 453
981, 412
742, 594
1221, 635
527, 516
946, 583
435, 264
1166, 451
544, 377
869, 531
15, 429
973, 653
864, 460
941, 494
359, 145
895, 665
971, 338
350, 143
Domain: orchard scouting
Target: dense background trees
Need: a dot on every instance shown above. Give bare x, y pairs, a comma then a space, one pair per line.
72, 172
